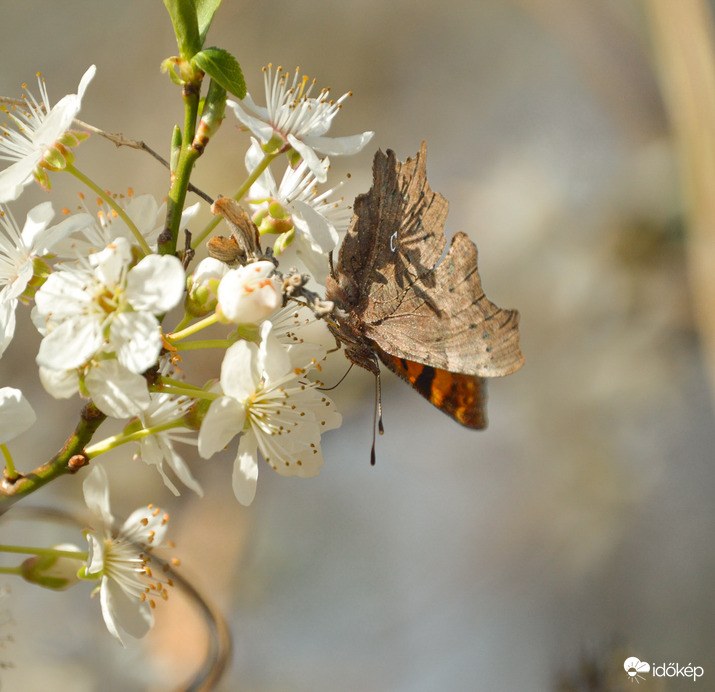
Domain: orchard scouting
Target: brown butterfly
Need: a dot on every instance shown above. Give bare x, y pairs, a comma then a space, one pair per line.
425, 317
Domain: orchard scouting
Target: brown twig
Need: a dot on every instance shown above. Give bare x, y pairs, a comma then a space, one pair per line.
120, 141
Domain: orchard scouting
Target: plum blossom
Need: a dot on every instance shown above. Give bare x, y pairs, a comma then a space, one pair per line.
104, 304
275, 407
158, 449
19, 250
249, 294
38, 128
313, 221
145, 212
294, 118
119, 558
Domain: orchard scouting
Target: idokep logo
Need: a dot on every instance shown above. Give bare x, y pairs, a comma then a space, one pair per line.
635, 668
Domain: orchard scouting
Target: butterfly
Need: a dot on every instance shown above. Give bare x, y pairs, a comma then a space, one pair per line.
399, 301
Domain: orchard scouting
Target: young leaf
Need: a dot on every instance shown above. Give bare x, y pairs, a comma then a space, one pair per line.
223, 68
205, 10
186, 26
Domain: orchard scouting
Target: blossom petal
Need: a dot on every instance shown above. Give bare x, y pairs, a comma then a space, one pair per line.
61, 384
245, 469
308, 155
222, 422
136, 337
258, 127
95, 488
7, 323
71, 344
239, 373
124, 613
116, 390
156, 284
16, 414
14, 178
336, 146
316, 226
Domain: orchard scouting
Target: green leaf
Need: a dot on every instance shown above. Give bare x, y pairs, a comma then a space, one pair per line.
205, 10
186, 26
223, 68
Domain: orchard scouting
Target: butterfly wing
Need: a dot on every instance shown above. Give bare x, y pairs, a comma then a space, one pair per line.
463, 397
409, 303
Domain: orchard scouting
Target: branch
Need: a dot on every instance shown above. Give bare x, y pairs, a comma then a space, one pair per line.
69, 459
120, 141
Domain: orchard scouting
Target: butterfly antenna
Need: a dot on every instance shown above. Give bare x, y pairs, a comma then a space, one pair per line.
327, 389
377, 418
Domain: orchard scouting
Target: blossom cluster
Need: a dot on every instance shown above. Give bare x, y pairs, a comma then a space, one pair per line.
107, 302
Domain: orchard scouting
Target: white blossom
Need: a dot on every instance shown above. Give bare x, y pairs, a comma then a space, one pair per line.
293, 117
158, 449
103, 304
275, 407
119, 557
18, 252
315, 220
37, 129
106, 226
16, 414
249, 294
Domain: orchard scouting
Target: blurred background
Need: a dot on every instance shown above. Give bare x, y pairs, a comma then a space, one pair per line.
575, 531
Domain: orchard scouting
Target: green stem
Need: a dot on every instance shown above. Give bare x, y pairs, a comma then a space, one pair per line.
113, 204
180, 177
10, 472
204, 343
240, 193
117, 440
52, 552
185, 321
192, 329
170, 381
186, 391
68, 460
11, 570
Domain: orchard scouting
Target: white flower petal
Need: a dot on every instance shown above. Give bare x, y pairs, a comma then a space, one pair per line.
117, 391
95, 488
7, 323
124, 613
258, 127
336, 146
156, 284
245, 469
16, 414
61, 384
310, 157
239, 373
316, 226
71, 344
136, 338
222, 422
14, 178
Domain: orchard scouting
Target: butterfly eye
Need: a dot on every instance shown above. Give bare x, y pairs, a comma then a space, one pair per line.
393, 241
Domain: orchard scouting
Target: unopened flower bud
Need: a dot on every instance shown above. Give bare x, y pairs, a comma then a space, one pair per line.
250, 294
284, 241
53, 571
202, 285
274, 218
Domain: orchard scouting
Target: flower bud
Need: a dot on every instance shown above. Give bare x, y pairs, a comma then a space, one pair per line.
274, 218
250, 294
202, 285
53, 571
284, 241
